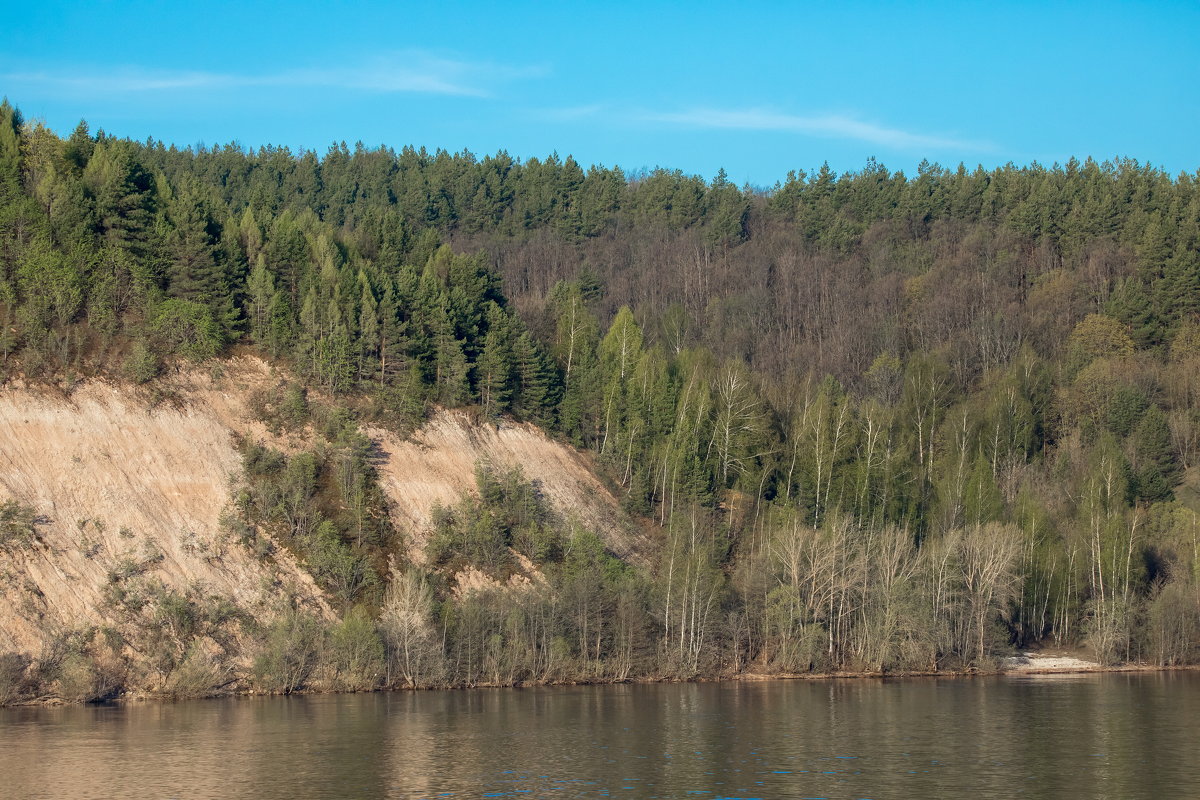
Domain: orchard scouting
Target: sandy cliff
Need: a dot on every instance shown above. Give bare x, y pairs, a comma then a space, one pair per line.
131, 485
126, 489
436, 466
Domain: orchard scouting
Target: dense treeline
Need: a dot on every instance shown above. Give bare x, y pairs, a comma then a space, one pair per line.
876, 421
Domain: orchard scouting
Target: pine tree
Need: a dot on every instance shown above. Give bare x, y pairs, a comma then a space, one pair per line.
124, 195
1178, 293
537, 386
450, 367
260, 289
1130, 304
396, 351
250, 235
1157, 464
494, 369
368, 332
10, 153
309, 333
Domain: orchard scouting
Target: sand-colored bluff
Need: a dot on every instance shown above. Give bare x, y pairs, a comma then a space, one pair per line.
132, 484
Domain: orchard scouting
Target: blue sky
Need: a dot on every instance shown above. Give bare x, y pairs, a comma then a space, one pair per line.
756, 88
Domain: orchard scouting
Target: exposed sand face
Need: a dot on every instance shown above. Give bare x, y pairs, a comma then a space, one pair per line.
123, 486
436, 466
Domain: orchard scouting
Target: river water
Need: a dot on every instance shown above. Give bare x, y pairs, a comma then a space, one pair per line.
1078, 736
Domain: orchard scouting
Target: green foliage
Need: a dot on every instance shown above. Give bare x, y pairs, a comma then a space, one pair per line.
82, 680
892, 363
51, 283
324, 504
293, 410
1186, 344
141, 365
1173, 624
18, 524
83, 667
1157, 465
336, 566
509, 515
1125, 408
198, 674
355, 652
1131, 304
289, 653
188, 328
283, 407
1097, 336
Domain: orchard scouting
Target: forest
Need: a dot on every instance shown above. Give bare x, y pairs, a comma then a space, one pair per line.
871, 422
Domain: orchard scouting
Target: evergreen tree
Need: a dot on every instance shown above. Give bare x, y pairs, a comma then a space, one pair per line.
495, 367
369, 337
1157, 465
538, 389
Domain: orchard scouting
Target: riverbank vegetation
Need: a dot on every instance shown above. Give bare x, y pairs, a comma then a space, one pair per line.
869, 422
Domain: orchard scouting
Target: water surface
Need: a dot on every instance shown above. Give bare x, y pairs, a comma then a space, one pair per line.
1087, 736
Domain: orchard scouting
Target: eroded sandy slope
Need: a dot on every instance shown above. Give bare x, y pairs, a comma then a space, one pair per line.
124, 487
436, 466
123, 483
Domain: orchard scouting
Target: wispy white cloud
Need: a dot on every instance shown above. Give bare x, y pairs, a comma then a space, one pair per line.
118, 82
829, 126
411, 71
834, 126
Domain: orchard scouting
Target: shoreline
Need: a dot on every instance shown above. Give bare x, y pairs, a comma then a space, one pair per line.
968, 673
1078, 668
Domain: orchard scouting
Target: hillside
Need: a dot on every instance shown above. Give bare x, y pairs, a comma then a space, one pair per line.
527, 422
435, 466
122, 488
130, 484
